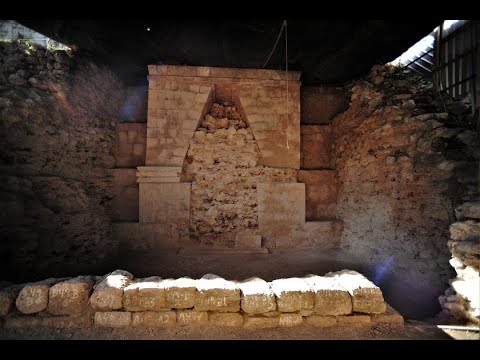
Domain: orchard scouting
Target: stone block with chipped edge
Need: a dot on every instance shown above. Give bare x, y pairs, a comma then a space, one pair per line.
391, 318
70, 297
19, 322
33, 297
67, 322
180, 293
154, 318
257, 296
217, 294
293, 294
354, 320
191, 317
330, 297
226, 319
290, 319
261, 322
108, 293
366, 296
321, 321
113, 318
146, 294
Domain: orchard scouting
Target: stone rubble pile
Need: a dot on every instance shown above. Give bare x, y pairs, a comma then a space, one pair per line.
119, 300
222, 116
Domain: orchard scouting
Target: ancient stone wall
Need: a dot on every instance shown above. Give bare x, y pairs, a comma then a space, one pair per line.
56, 144
344, 298
403, 164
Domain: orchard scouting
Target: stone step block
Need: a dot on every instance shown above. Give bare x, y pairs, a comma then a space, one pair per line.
226, 319
192, 317
145, 295
33, 297
154, 318
217, 294
366, 296
330, 297
180, 293
257, 296
293, 294
108, 293
113, 319
70, 297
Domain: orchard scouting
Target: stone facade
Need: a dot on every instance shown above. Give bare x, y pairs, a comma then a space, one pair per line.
118, 300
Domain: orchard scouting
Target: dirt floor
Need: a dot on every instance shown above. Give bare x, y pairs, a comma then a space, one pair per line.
304, 332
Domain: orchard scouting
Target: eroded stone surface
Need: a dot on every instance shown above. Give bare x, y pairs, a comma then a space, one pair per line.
33, 297
257, 296
108, 293
191, 317
145, 295
154, 318
70, 297
293, 294
330, 297
113, 318
217, 294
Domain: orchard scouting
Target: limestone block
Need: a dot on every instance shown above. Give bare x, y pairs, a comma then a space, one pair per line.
320, 193
7, 299
330, 297
257, 296
33, 297
217, 294
289, 320
316, 146
354, 320
468, 210
261, 322
19, 322
108, 293
153, 318
465, 231
366, 296
321, 321
191, 317
180, 293
68, 322
70, 297
278, 216
324, 234
145, 295
293, 294
321, 104
226, 319
113, 319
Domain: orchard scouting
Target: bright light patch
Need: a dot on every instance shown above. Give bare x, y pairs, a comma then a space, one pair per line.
415, 51
447, 24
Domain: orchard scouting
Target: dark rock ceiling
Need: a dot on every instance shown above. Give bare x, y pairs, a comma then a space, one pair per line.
326, 51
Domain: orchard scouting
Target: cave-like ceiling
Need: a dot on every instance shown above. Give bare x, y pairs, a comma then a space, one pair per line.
326, 51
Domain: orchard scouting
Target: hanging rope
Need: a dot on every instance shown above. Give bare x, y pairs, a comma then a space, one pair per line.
284, 24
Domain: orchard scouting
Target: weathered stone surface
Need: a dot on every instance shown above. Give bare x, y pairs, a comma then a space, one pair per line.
366, 296
321, 321
19, 322
113, 318
70, 297
316, 146
247, 240
127, 136
391, 317
145, 295
33, 297
321, 104
354, 320
124, 205
293, 294
180, 293
330, 297
289, 320
468, 210
320, 193
227, 319
7, 299
280, 216
191, 317
217, 294
257, 296
324, 234
261, 322
108, 293
68, 322
153, 318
